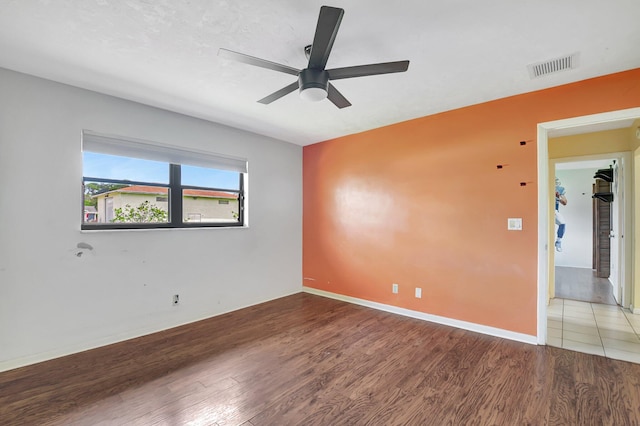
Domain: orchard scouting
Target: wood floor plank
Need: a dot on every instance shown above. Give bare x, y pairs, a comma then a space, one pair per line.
309, 360
563, 404
618, 398
536, 406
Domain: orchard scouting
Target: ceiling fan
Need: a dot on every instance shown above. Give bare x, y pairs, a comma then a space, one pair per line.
314, 81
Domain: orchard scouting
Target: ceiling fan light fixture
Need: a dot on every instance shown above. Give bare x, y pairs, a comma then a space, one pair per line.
314, 84
313, 94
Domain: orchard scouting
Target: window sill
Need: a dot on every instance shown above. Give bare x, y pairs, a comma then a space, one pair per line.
194, 228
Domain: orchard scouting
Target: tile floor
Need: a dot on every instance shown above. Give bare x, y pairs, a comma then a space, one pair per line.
605, 330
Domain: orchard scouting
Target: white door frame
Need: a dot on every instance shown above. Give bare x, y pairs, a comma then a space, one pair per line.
543, 198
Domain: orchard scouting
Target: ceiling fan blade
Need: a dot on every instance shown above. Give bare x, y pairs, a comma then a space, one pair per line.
280, 93
326, 31
371, 69
241, 57
337, 98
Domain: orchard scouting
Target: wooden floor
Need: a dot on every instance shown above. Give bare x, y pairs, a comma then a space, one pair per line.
582, 284
307, 360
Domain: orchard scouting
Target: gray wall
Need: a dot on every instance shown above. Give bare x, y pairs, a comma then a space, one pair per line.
53, 302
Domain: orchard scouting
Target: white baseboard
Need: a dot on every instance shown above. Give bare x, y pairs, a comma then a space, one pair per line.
478, 328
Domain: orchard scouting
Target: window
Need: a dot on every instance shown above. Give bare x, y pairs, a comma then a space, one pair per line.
132, 184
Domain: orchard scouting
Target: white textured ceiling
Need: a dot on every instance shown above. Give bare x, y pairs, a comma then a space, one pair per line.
462, 52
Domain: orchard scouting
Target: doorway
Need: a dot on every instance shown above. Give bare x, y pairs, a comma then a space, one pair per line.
585, 124
587, 258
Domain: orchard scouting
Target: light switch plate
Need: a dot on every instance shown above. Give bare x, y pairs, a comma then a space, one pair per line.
514, 224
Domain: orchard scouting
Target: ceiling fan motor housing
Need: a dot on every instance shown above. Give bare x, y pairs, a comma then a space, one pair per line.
313, 84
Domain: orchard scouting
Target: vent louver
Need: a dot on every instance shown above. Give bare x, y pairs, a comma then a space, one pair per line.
553, 66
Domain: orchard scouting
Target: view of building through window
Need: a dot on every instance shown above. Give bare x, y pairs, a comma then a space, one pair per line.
130, 191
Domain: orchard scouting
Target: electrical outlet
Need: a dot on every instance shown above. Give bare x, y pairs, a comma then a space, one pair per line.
394, 288
418, 293
176, 299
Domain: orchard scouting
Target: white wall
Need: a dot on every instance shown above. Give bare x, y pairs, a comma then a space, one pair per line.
577, 242
53, 302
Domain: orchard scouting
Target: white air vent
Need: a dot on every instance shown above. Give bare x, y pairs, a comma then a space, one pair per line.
553, 66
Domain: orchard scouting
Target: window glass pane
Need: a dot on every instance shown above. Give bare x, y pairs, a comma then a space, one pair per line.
205, 206
116, 203
106, 166
210, 178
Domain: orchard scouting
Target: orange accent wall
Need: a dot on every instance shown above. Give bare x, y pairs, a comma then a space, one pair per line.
422, 204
